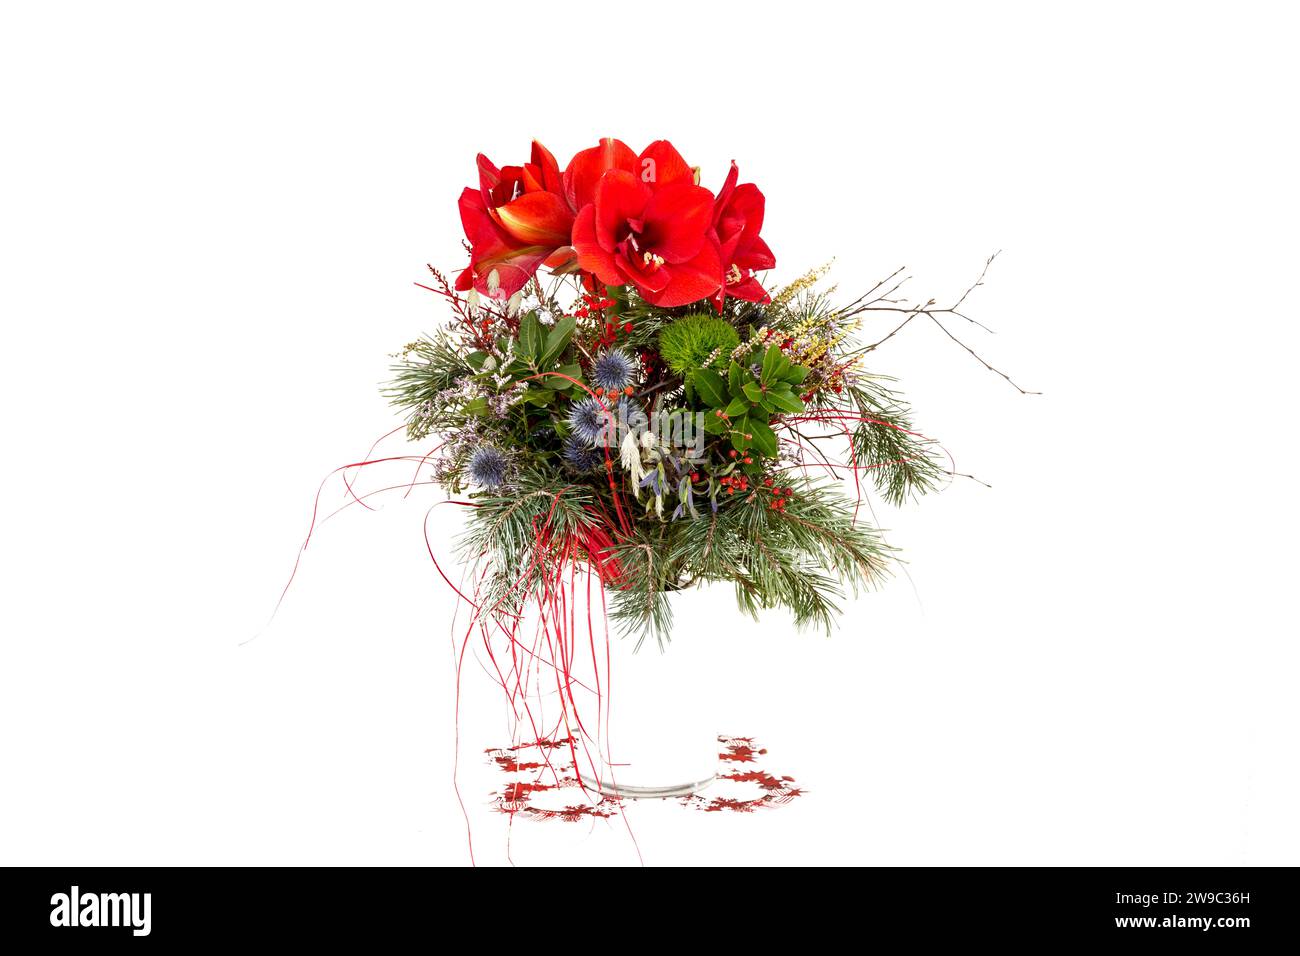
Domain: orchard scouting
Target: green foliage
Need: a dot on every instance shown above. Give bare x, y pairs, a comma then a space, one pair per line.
736, 508
502, 534
748, 404
799, 558
423, 370
902, 464
688, 343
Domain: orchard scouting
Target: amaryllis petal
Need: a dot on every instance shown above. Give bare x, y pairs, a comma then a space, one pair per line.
562, 260
724, 194
647, 277
757, 255
691, 281
747, 202
750, 290
480, 230
537, 218
664, 166
676, 219
533, 179
586, 168
620, 196
552, 180
737, 220
591, 257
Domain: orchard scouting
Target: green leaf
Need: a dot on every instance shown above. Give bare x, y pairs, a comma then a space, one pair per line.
764, 440
796, 374
709, 384
476, 406
713, 425
539, 396
530, 338
735, 379
557, 340
774, 364
753, 392
475, 360
784, 400
742, 428
738, 406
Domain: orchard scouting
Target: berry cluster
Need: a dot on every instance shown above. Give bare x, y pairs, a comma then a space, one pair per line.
595, 305
733, 483
611, 332
780, 496
592, 304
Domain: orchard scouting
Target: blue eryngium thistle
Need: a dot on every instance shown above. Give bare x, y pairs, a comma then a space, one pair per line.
487, 467
580, 456
613, 370
588, 419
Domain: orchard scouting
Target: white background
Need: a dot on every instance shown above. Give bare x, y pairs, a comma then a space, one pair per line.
212, 218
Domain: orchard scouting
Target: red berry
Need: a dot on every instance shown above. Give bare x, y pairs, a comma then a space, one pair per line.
627, 326
732, 453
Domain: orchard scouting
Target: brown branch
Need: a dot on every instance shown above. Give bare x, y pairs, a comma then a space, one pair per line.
931, 311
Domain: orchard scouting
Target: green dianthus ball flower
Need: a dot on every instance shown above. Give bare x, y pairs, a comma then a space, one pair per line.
688, 343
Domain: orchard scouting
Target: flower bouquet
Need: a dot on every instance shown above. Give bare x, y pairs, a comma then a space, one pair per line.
650, 410
619, 398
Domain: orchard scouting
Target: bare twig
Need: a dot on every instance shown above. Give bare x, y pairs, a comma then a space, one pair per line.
930, 310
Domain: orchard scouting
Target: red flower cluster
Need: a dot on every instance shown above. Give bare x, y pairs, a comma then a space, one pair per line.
619, 218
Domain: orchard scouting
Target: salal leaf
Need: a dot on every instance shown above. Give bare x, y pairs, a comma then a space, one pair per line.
557, 340
530, 338
709, 384
764, 440
774, 364
735, 379
713, 425
784, 400
753, 392
743, 426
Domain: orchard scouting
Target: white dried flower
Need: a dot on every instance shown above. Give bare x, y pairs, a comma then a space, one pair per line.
630, 456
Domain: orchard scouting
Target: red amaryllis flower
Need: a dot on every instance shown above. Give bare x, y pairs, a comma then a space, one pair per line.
737, 220
585, 169
517, 220
652, 229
